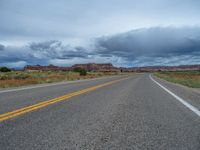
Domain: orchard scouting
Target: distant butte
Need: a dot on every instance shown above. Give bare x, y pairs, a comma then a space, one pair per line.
108, 67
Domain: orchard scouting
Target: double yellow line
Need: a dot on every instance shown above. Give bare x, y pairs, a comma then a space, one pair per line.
30, 108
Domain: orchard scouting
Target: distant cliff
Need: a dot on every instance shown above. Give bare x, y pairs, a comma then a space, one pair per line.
46, 68
108, 67
164, 68
97, 67
88, 67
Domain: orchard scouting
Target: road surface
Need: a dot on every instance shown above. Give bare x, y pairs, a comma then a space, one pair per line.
114, 113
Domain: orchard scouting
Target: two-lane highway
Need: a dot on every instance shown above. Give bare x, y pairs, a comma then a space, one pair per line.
109, 113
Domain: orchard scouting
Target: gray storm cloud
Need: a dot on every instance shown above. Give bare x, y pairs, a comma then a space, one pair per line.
151, 44
55, 49
40, 53
146, 46
2, 47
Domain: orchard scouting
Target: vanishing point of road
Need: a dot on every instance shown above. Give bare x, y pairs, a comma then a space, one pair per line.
113, 113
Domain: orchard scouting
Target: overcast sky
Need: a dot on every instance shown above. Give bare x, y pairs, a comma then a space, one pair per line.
122, 32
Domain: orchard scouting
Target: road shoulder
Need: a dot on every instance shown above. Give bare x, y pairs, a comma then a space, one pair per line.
192, 95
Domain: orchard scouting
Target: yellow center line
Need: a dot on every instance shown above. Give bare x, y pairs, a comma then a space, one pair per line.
11, 114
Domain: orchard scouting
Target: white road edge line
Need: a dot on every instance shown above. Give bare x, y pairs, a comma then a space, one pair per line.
192, 108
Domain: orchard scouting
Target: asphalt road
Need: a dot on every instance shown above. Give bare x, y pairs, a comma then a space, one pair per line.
132, 113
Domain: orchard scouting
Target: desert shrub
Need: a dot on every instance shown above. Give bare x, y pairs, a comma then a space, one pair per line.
21, 76
81, 71
4, 69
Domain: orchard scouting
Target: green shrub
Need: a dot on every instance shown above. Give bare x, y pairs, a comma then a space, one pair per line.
4, 69
81, 71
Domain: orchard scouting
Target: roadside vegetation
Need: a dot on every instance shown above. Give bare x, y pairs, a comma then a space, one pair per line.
22, 78
4, 69
187, 78
81, 71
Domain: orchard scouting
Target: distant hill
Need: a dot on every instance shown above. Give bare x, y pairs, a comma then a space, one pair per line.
106, 67
89, 67
167, 68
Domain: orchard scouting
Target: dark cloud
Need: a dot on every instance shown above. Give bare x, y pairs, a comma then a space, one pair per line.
2, 47
149, 44
41, 53
54, 49
46, 45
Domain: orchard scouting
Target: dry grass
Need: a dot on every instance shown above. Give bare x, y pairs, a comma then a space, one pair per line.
187, 78
21, 78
